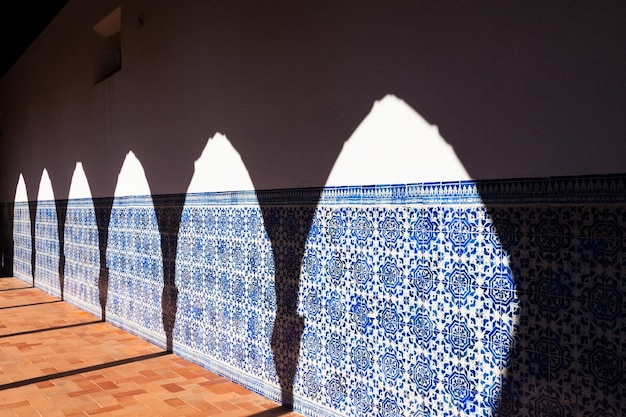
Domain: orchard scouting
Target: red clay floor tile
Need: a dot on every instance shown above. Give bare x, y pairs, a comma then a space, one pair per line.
56, 360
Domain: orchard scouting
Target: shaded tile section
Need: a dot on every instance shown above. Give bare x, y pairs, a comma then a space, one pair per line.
22, 242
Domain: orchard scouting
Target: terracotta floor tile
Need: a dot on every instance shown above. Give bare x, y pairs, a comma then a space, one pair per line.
128, 401
104, 399
13, 405
104, 410
226, 405
129, 393
107, 385
75, 413
173, 387
50, 370
175, 402
51, 413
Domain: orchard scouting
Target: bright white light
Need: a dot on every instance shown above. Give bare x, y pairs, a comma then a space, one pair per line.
79, 187
21, 196
22, 241
395, 145
219, 168
45, 187
132, 178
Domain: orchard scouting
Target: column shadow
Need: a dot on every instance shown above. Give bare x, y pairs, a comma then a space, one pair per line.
6, 240
30, 305
36, 380
102, 207
61, 209
168, 210
49, 329
287, 229
32, 209
274, 412
14, 289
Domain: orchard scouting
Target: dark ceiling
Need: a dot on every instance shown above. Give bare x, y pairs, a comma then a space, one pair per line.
21, 21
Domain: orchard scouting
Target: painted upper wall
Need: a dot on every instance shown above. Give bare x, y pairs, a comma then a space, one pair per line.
516, 90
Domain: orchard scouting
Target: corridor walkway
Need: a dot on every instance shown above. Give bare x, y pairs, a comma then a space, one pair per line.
56, 360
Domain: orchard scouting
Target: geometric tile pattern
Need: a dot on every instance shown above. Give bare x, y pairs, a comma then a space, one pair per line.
226, 294
82, 256
47, 248
135, 268
22, 242
439, 299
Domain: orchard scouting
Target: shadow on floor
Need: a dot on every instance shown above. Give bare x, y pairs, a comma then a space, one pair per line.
64, 374
48, 329
273, 412
18, 288
30, 305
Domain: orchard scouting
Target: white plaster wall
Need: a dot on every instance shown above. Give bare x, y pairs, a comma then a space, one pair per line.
395, 145
21, 195
79, 187
46, 191
132, 178
219, 168
514, 90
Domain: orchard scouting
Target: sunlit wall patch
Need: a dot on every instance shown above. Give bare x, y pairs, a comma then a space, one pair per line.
134, 259
22, 234
225, 271
395, 145
82, 256
47, 239
401, 260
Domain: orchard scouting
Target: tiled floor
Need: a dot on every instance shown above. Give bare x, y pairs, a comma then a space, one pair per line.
56, 360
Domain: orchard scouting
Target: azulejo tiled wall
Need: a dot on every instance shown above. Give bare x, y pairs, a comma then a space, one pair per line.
82, 256
47, 248
439, 299
22, 241
135, 268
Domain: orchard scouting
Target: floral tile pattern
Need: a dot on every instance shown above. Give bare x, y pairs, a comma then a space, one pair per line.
22, 242
47, 248
82, 258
